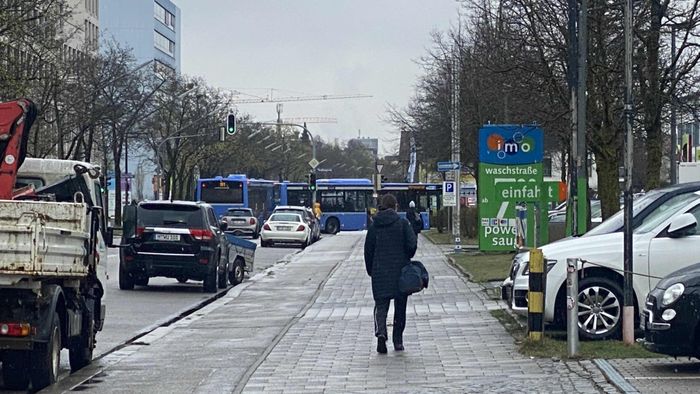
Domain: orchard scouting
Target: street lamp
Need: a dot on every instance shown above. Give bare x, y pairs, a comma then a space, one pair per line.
674, 103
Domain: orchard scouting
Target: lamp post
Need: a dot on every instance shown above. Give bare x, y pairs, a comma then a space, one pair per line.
674, 103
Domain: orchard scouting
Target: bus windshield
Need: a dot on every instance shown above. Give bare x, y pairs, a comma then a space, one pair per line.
221, 192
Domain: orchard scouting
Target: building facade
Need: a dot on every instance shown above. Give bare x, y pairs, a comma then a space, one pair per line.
151, 28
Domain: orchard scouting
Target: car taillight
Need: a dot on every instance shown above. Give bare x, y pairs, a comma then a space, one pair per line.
203, 261
267, 227
15, 329
252, 221
301, 227
202, 235
139, 231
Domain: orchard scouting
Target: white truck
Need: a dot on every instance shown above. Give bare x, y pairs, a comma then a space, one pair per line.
50, 289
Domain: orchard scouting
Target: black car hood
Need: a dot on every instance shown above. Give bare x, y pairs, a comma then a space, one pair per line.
689, 276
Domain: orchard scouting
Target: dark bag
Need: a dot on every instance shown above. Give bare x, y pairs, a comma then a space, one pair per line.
414, 278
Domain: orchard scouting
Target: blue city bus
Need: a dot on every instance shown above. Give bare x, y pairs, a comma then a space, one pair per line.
236, 191
292, 193
345, 203
426, 196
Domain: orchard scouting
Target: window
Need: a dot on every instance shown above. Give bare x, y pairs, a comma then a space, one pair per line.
170, 215
212, 217
164, 16
221, 192
163, 43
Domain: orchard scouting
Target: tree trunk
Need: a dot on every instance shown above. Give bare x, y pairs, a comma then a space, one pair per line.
652, 97
608, 184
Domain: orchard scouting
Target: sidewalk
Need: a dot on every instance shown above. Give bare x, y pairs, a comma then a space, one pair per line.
308, 328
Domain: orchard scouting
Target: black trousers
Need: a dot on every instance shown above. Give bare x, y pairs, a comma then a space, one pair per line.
381, 310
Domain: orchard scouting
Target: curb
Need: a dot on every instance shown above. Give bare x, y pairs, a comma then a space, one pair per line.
614, 377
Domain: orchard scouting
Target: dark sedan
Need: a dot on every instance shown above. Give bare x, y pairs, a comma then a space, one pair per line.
671, 314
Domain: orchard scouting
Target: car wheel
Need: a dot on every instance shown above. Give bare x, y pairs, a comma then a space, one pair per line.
599, 308
15, 370
237, 275
332, 226
141, 281
264, 244
211, 280
256, 235
126, 282
46, 358
304, 245
222, 277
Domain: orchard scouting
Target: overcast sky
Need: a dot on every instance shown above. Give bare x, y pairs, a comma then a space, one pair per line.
307, 47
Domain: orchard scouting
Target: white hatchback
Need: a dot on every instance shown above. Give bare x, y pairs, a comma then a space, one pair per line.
285, 227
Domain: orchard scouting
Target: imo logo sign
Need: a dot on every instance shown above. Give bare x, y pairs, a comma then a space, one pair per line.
510, 145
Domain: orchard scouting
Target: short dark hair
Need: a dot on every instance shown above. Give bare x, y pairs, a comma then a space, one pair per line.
388, 202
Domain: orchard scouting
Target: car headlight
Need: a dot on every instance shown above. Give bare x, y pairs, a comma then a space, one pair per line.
550, 265
672, 293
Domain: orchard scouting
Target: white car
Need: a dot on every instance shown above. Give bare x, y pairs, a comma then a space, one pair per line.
666, 240
285, 227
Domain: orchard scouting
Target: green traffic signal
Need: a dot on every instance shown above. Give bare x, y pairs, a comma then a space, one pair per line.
231, 124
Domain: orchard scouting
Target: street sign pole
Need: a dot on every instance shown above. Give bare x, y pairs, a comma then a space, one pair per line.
456, 147
628, 315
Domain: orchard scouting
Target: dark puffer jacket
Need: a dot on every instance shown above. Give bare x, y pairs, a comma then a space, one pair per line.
390, 244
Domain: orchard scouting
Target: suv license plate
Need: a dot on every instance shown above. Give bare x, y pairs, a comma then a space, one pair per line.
167, 237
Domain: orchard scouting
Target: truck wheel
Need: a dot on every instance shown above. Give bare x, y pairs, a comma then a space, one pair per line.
332, 226
211, 280
80, 352
599, 308
46, 358
237, 275
126, 282
15, 370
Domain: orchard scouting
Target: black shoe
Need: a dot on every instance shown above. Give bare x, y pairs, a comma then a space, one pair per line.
398, 347
381, 344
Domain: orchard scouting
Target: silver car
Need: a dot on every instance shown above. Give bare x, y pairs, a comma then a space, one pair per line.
241, 221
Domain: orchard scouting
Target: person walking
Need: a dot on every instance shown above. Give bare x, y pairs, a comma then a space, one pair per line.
414, 218
389, 246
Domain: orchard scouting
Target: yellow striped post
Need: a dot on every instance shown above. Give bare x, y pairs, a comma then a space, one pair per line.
535, 297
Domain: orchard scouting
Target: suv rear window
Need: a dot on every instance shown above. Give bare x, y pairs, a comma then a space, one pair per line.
170, 215
239, 212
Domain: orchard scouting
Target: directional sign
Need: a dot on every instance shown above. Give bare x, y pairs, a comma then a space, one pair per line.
443, 166
449, 195
314, 163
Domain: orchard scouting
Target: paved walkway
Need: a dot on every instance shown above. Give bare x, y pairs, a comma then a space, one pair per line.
308, 328
453, 344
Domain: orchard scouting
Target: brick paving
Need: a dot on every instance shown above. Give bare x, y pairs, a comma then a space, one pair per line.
453, 344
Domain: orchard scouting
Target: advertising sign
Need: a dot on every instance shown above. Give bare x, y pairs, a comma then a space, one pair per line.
508, 144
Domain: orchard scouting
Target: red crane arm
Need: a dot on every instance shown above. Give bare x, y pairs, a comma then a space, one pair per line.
16, 118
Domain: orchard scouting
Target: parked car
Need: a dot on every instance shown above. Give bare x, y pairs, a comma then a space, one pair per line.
643, 206
285, 227
307, 215
671, 318
241, 221
662, 244
175, 239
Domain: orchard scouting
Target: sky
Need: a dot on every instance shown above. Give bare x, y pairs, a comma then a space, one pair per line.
313, 47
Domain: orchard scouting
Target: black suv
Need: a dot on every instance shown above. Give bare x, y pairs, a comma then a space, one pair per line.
175, 239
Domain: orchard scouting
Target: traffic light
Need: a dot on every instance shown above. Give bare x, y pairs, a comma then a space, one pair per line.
312, 182
231, 124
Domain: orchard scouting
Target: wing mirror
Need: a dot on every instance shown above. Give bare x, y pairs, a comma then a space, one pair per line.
680, 225
223, 226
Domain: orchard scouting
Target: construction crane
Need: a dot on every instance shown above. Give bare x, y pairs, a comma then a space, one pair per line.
308, 119
322, 97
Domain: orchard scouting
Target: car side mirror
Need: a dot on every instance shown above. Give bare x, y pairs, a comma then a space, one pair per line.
680, 225
223, 226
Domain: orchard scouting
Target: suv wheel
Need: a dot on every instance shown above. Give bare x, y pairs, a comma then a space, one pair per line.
222, 277
211, 280
599, 308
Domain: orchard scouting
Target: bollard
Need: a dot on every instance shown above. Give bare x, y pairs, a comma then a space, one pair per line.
572, 307
535, 297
